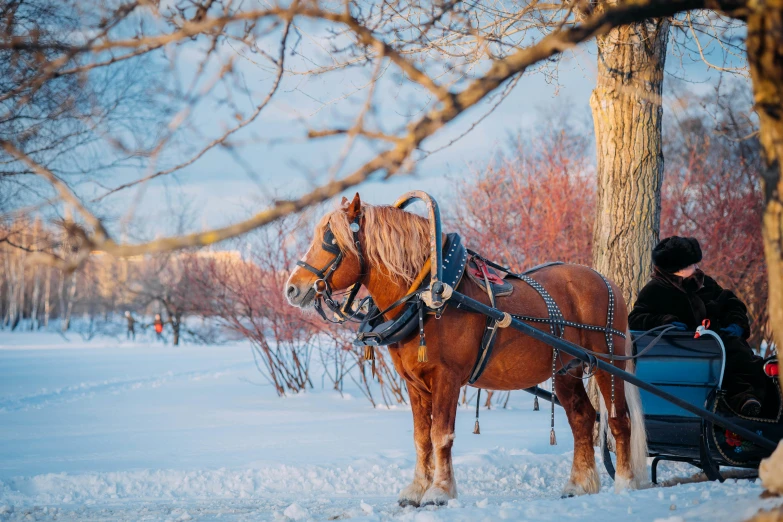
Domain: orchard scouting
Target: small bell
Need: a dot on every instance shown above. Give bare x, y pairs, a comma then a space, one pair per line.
552, 438
535, 403
476, 429
613, 411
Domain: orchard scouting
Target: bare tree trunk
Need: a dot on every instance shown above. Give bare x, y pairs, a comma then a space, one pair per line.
3, 289
61, 295
765, 55
66, 324
47, 297
13, 296
11, 289
176, 321
627, 114
22, 285
36, 297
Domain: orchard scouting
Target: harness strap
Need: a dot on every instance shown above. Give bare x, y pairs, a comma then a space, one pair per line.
582, 326
487, 339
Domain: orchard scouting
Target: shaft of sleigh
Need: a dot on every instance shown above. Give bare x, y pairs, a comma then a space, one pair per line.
465, 302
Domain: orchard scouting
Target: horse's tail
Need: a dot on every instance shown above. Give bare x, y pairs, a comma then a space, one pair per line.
638, 432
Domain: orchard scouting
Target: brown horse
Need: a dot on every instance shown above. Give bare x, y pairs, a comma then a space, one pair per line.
395, 247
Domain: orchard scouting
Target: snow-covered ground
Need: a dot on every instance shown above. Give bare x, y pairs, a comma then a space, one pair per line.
107, 430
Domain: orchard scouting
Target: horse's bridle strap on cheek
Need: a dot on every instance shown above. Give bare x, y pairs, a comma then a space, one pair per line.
321, 285
326, 271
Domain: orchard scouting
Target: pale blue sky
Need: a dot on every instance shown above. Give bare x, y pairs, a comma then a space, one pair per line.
218, 190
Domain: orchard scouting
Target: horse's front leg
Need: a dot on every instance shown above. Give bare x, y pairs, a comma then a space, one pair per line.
445, 396
421, 405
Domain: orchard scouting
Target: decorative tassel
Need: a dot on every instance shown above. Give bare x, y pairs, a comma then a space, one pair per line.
369, 355
535, 400
552, 438
476, 430
422, 344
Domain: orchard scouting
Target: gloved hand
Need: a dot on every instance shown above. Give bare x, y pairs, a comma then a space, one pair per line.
682, 327
734, 330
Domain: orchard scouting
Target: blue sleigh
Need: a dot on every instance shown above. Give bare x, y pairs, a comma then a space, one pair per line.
693, 369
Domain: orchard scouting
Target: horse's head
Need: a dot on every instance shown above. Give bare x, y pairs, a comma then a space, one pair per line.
334, 260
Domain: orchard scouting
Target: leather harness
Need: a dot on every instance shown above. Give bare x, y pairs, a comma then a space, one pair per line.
374, 330
555, 319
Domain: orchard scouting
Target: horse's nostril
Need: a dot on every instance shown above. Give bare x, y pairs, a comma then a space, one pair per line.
292, 291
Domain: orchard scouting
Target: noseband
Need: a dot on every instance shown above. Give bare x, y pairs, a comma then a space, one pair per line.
321, 286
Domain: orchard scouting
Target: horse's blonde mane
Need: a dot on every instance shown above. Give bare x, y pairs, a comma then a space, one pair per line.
395, 242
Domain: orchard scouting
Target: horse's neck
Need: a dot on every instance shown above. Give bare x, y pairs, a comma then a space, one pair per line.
383, 289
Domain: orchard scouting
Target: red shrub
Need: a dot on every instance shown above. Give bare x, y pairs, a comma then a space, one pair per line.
534, 206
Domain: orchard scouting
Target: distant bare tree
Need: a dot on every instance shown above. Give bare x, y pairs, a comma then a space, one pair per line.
422, 48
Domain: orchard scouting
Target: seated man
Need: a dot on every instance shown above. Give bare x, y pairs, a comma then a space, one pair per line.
680, 294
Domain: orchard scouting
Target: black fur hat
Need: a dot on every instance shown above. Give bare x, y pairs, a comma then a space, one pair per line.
675, 253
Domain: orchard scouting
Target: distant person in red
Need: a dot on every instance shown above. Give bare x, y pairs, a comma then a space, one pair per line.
158, 324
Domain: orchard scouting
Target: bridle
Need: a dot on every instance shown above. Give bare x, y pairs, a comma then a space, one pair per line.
323, 291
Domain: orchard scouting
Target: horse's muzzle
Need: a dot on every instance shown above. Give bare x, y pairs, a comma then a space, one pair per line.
298, 297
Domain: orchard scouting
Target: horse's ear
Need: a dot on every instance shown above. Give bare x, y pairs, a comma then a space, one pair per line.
355, 207
344, 201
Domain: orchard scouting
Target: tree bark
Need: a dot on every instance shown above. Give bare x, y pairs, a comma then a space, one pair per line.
66, 321
765, 55
175, 325
627, 114
34, 321
47, 297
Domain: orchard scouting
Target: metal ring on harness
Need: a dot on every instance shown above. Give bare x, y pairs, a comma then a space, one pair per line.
319, 291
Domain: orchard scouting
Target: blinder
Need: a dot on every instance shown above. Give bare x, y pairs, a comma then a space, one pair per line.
322, 287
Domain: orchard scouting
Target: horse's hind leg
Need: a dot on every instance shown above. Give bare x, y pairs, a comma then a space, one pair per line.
621, 428
421, 405
581, 416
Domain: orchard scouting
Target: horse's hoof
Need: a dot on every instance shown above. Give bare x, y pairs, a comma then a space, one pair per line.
435, 503
435, 497
412, 495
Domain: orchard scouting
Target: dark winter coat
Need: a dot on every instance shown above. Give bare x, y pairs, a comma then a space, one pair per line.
663, 301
